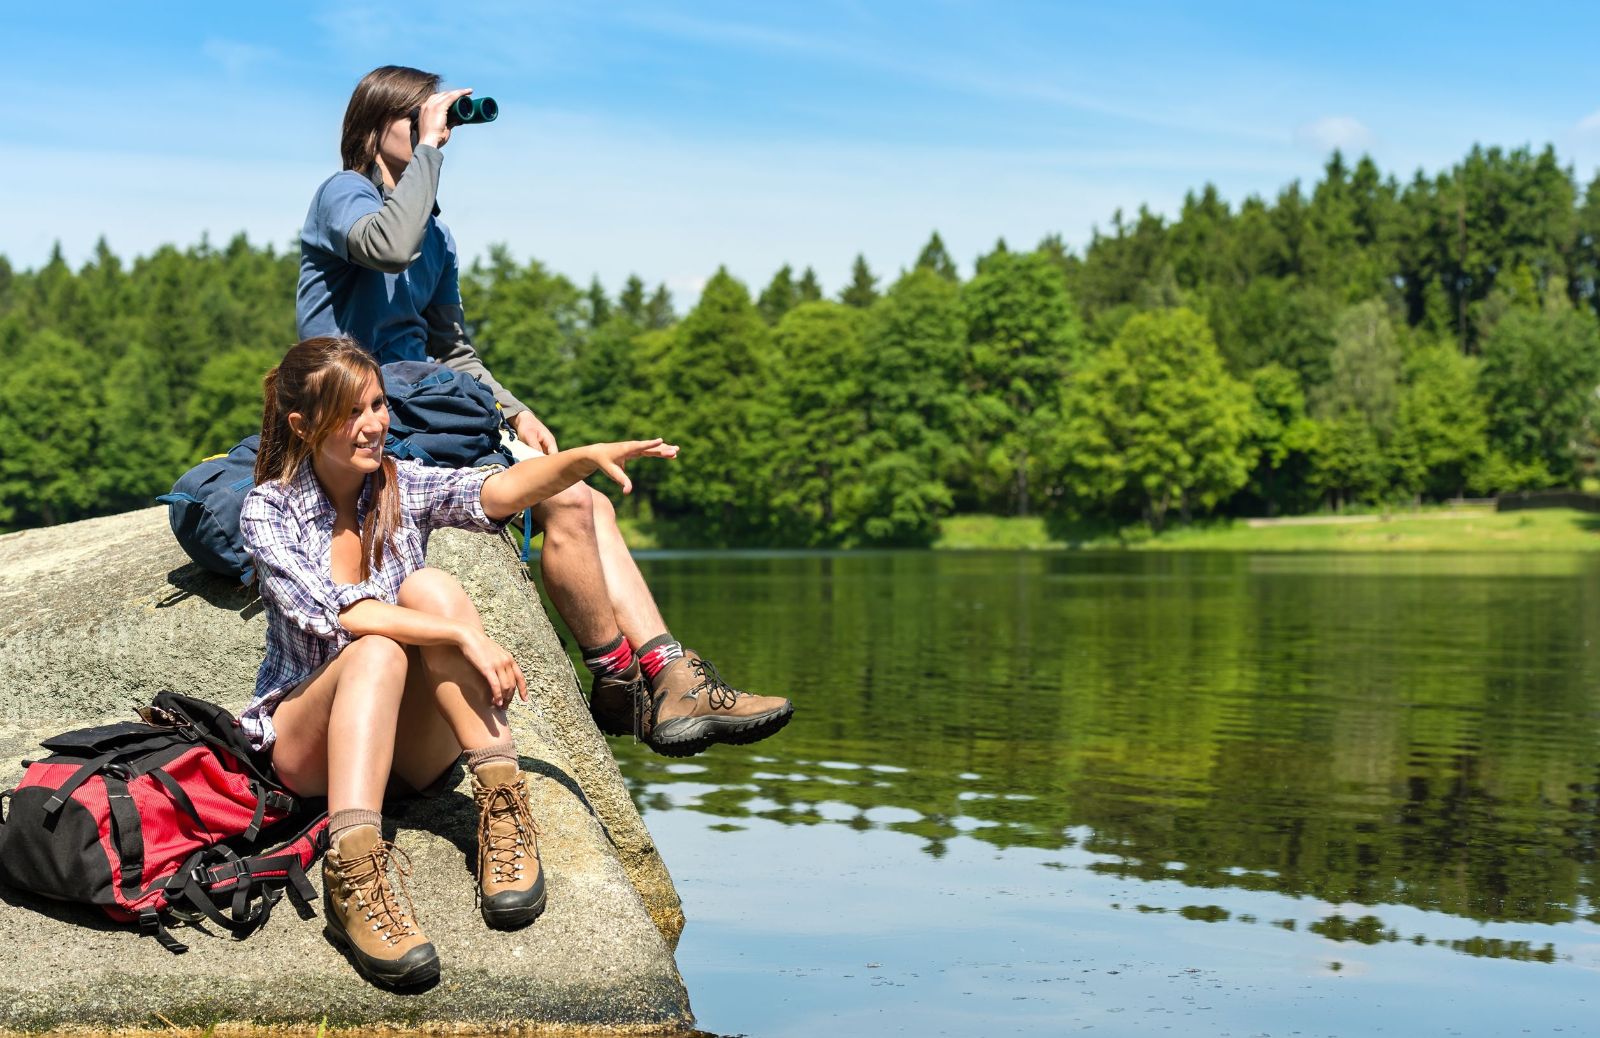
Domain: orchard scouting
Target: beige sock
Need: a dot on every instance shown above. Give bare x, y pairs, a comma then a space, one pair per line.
345, 819
493, 765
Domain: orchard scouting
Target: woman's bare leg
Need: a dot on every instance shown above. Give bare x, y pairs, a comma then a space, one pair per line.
336, 732
447, 706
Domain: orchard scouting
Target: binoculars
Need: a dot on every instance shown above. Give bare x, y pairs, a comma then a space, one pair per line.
467, 111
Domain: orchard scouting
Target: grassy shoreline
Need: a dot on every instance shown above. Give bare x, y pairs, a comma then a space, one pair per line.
1471, 529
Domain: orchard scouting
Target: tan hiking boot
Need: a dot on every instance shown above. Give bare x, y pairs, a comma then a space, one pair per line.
510, 879
692, 707
364, 916
614, 701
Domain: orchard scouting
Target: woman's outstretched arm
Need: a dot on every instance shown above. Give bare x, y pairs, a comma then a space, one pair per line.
526, 483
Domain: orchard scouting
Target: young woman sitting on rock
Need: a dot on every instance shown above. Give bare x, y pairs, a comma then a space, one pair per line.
378, 673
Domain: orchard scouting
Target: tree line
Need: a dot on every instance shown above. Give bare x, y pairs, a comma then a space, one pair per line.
1360, 341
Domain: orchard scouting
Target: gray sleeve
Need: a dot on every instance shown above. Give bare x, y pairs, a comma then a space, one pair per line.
450, 345
391, 238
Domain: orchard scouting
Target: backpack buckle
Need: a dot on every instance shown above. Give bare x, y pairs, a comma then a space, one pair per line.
216, 874
277, 801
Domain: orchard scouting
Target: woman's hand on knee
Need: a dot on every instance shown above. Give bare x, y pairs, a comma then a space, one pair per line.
498, 667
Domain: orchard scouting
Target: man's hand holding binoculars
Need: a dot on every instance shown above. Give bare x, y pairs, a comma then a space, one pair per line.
433, 117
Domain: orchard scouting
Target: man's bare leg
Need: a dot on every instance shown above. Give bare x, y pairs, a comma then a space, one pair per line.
631, 601
570, 563
597, 588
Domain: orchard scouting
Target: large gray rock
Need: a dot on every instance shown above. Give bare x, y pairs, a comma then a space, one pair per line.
97, 616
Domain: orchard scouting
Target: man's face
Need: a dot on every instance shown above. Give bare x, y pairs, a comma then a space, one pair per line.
396, 143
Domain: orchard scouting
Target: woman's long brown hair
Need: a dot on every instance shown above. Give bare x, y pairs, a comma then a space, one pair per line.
322, 379
383, 95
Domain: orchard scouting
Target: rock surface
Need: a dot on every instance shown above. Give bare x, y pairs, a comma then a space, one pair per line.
97, 616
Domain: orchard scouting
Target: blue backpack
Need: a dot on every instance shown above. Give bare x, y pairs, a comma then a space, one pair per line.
203, 509
441, 417
436, 416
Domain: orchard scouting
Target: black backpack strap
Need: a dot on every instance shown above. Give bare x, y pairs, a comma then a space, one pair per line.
261, 871
126, 831
265, 799
188, 885
181, 798
63, 792
150, 925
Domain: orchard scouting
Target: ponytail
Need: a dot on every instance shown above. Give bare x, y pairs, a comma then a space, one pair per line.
276, 436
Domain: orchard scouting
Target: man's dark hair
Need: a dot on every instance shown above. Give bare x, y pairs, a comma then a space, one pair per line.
383, 95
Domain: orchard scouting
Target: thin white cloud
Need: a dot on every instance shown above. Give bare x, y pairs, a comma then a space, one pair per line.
1589, 125
951, 71
1344, 132
237, 59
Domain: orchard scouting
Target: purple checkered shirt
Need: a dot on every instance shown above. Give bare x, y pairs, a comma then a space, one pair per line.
288, 529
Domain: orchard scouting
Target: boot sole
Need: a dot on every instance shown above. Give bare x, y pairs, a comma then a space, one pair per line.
698, 734
424, 972
513, 918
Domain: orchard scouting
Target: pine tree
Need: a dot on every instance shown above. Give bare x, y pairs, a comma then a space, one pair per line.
631, 301
141, 448
780, 295
713, 397
49, 400
820, 448
658, 312
862, 291
934, 257
1025, 338
809, 290
598, 306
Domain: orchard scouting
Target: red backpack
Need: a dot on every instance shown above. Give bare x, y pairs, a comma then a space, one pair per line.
173, 816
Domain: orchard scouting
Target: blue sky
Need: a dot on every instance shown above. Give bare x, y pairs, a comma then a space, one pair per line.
668, 138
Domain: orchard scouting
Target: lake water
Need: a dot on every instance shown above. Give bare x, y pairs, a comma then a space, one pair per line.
1140, 794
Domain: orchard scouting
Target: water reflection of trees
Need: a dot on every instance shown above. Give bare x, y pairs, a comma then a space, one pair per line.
1343, 731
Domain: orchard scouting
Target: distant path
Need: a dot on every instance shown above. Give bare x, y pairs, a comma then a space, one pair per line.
1348, 520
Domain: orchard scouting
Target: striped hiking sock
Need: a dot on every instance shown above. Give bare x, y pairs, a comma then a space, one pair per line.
610, 659
657, 653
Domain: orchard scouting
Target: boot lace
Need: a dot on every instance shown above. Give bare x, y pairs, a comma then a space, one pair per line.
502, 847
368, 879
644, 706
720, 694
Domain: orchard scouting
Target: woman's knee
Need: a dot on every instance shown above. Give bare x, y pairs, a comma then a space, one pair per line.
377, 655
434, 591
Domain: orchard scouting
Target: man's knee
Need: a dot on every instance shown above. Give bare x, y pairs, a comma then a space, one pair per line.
603, 511
431, 590
569, 512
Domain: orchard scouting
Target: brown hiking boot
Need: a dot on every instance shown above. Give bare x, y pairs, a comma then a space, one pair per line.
613, 701
692, 707
510, 880
364, 916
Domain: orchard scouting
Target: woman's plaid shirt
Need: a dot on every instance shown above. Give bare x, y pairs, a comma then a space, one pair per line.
288, 530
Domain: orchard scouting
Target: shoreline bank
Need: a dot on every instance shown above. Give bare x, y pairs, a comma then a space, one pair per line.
1461, 529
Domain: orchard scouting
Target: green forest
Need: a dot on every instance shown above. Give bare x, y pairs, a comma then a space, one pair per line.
1362, 341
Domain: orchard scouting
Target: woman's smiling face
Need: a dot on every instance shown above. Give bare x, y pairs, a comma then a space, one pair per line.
358, 444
